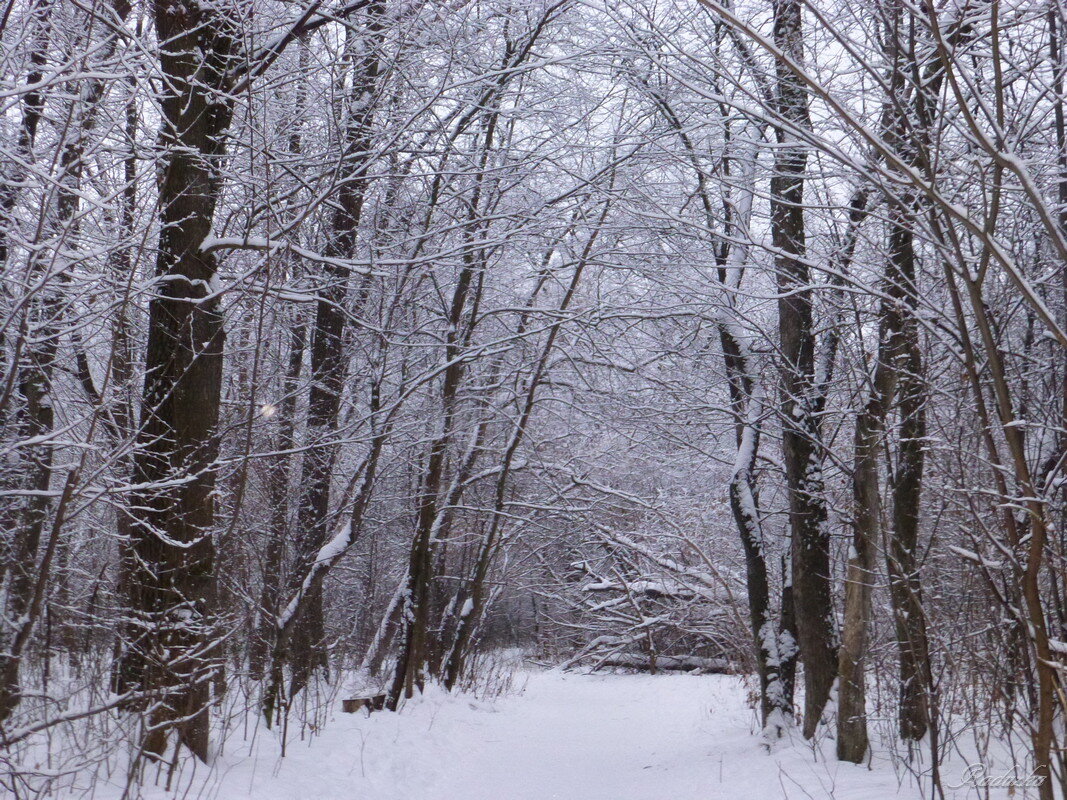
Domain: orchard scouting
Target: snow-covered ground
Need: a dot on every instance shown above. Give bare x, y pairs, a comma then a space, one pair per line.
558, 735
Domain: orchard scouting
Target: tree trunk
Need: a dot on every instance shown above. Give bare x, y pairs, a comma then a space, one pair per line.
801, 436
278, 491
329, 360
172, 652
852, 738
916, 680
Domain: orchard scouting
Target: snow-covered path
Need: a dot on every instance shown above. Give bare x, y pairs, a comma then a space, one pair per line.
565, 737
589, 737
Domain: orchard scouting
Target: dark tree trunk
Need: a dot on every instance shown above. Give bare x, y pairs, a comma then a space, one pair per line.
905, 590
433, 510
916, 680
172, 654
801, 436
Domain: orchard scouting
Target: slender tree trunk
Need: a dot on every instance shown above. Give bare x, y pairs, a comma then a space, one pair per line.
278, 492
328, 357
19, 397
776, 698
434, 510
280, 469
470, 609
1057, 16
35, 415
852, 739
409, 671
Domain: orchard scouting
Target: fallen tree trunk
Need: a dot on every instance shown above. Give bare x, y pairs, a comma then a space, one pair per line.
711, 666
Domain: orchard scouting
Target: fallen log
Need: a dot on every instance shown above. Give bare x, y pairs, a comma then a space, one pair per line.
712, 666
375, 702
